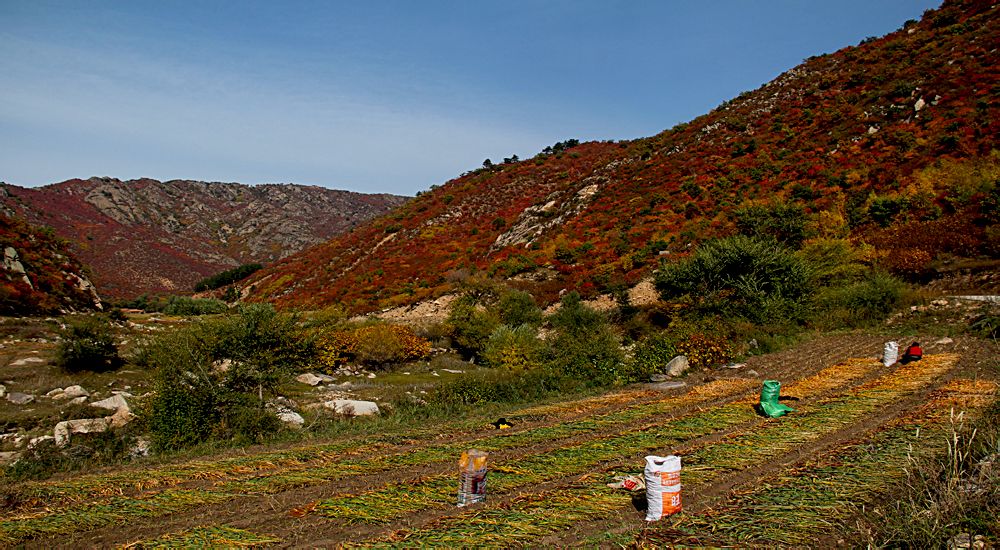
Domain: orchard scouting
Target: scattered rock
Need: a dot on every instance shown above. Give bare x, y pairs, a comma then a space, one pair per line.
3, 390
290, 417
64, 429
734, 366
371, 375
753, 373
284, 401
72, 392
27, 361
309, 379
222, 365
78, 400
658, 377
325, 378
944, 341
9, 457
351, 407
964, 541
142, 447
678, 365
121, 417
113, 403
453, 371
54, 392
36, 441
19, 398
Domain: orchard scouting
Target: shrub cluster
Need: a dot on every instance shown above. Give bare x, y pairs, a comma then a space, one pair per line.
213, 376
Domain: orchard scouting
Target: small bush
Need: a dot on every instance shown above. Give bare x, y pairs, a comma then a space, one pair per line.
987, 323
88, 345
502, 387
652, 354
860, 303
575, 318
584, 345
514, 349
784, 223
471, 325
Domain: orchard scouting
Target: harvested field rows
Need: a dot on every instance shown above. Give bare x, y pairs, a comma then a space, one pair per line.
827, 491
745, 448
547, 476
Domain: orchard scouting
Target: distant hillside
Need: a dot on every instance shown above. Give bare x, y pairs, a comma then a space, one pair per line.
145, 236
38, 274
888, 142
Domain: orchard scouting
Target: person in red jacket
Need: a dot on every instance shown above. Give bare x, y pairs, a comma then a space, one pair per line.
912, 353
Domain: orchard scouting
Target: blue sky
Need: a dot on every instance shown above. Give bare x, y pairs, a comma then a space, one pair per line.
378, 96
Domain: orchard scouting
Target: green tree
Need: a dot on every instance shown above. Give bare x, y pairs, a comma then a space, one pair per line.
759, 280
517, 307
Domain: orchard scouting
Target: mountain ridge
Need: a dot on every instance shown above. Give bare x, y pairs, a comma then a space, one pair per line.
146, 236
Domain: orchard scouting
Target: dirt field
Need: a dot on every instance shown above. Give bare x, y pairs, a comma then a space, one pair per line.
746, 479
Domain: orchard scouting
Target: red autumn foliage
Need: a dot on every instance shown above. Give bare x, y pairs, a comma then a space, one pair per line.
859, 121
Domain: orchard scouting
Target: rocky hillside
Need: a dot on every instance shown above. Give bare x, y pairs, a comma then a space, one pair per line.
146, 236
38, 274
891, 142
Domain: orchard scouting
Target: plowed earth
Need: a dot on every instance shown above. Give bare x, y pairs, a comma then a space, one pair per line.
548, 474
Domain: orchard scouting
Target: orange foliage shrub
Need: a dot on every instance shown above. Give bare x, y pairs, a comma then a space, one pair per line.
378, 344
702, 351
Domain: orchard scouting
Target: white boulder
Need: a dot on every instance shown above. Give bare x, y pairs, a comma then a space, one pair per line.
64, 429
309, 379
9, 457
113, 403
351, 407
35, 441
291, 418
19, 398
678, 365
72, 392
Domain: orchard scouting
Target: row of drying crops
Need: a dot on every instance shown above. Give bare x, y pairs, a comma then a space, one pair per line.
552, 477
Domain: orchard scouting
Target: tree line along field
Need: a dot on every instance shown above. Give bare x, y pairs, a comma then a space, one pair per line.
805, 479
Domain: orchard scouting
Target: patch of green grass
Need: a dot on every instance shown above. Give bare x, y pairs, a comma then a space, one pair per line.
208, 537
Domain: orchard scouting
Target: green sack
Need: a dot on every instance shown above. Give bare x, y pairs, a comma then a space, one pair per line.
769, 400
